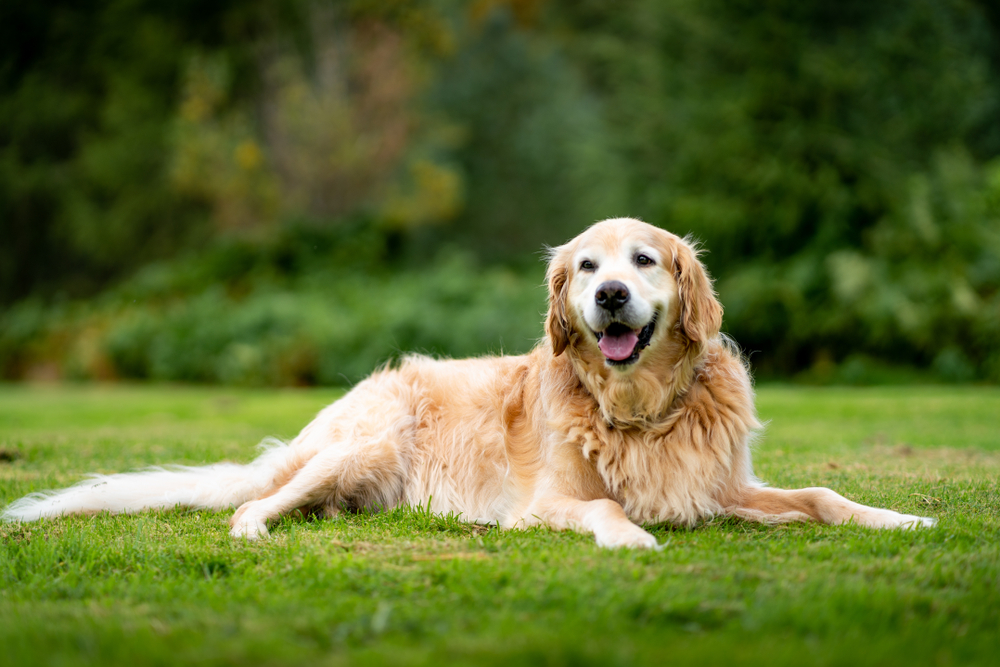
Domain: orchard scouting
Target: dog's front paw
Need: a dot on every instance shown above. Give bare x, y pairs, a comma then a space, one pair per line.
890, 519
627, 537
247, 525
249, 528
911, 522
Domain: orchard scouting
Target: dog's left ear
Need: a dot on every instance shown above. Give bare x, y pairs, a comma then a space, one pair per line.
557, 325
701, 312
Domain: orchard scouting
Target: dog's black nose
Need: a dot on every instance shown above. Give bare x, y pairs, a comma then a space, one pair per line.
612, 295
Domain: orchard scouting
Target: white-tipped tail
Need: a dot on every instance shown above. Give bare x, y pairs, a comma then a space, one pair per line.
214, 486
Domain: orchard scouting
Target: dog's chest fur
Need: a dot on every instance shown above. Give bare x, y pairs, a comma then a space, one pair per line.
686, 467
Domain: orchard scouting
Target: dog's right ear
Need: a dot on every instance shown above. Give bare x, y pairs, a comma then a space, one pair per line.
557, 325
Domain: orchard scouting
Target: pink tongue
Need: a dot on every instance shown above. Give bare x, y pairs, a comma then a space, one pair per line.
618, 347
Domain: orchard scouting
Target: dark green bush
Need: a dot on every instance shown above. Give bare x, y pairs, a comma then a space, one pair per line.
278, 320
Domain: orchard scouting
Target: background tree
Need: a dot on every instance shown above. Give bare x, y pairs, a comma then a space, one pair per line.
838, 161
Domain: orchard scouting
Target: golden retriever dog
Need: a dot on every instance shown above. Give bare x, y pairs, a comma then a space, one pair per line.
632, 410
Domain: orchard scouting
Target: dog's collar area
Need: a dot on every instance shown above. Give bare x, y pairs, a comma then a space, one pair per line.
644, 336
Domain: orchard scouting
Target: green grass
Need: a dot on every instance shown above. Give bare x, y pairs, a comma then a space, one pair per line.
405, 587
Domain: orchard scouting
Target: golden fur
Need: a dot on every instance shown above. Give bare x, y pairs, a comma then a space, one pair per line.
561, 436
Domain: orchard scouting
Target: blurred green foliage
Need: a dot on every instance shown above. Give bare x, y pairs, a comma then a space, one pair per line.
310, 307
292, 192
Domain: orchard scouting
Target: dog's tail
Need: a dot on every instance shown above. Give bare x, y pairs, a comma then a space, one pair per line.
214, 486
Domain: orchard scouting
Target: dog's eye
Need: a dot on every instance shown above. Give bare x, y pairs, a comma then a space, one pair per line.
644, 260
587, 265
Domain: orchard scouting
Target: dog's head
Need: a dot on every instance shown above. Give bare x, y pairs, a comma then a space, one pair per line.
622, 290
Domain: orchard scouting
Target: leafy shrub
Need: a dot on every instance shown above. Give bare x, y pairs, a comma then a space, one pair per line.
268, 326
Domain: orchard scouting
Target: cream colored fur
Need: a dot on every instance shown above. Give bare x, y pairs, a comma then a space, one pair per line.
559, 437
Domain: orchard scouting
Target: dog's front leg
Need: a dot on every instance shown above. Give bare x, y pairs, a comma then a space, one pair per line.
603, 518
769, 505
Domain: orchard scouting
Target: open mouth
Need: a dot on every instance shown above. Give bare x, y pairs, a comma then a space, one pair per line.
621, 345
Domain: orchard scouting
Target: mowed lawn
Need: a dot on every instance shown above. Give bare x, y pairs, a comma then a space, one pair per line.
408, 588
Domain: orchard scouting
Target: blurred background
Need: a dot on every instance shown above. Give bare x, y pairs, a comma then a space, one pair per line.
292, 192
